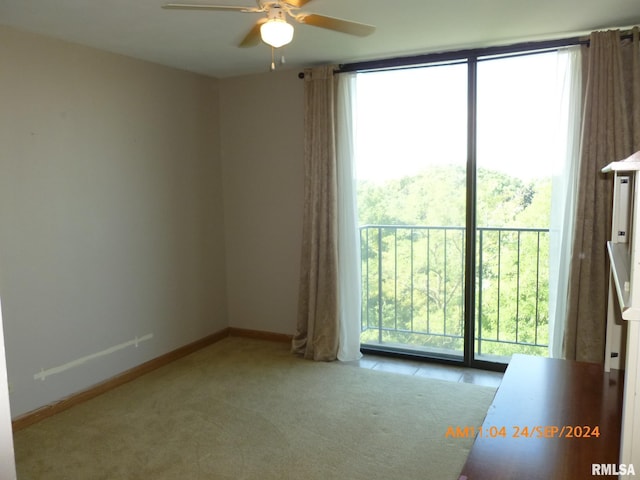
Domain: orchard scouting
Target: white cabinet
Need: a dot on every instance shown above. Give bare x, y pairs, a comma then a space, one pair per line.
7, 463
624, 294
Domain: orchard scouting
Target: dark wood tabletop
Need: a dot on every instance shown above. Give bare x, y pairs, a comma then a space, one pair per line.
550, 419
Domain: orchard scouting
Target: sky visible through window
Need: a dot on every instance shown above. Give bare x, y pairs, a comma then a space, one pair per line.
411, 118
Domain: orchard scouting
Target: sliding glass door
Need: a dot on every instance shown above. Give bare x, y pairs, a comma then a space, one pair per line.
457, 167
520, 159
411, 162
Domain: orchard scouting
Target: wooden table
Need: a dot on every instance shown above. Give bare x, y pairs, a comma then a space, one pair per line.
541, 402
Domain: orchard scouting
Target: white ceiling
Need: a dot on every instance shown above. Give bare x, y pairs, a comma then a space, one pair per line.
205, 41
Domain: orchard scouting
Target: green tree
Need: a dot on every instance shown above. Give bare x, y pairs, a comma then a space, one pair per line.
413, 277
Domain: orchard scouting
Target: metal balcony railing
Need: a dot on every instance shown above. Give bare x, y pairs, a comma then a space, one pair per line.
413, 289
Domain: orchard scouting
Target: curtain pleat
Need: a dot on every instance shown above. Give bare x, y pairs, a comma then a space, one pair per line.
610, 132
317, 329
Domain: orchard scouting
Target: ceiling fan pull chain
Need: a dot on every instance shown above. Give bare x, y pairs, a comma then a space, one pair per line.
273, 59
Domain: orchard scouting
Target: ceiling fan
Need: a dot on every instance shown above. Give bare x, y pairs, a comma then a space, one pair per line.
273, 29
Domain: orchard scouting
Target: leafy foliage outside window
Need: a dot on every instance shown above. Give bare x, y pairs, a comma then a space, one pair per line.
413, 261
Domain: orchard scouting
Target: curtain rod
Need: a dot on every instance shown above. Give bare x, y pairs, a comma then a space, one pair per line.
398, 62
459, 54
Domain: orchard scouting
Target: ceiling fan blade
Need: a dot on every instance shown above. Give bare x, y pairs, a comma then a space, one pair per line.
191, 6
253, 38
337, 24
297, 3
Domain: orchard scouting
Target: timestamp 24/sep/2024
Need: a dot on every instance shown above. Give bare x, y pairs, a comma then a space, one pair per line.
524, 431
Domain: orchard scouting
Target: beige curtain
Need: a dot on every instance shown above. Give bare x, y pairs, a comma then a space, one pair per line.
611, 131
317, 329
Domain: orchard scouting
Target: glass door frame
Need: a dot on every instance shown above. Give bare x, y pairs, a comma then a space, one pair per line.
470, 57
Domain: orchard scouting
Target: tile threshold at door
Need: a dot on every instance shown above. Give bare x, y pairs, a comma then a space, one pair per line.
429, 370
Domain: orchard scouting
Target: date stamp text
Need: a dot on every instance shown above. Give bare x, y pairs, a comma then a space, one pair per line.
523, 431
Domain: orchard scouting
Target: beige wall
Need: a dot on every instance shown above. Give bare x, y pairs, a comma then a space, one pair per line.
112, 208
111, 213
262, 155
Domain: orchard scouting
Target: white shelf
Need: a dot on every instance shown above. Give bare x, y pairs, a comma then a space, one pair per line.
624, 255
629, 164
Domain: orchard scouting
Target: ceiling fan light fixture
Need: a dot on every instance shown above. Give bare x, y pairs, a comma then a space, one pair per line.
276, 32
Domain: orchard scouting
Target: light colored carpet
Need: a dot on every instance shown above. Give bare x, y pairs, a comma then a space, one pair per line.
248, 409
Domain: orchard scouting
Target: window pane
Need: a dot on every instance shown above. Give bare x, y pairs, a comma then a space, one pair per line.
517, 123
411, 156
